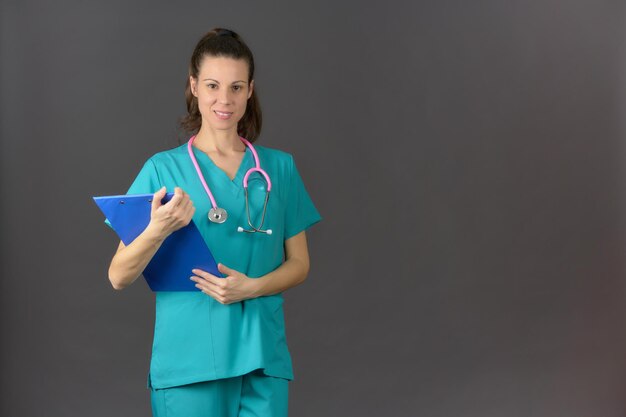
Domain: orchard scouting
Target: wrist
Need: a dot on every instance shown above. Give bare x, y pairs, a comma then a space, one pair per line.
256, 287
154, 234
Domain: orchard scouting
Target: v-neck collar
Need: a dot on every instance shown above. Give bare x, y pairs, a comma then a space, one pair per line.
205, 160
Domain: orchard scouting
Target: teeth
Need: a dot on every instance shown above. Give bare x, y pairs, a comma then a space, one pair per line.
222, 114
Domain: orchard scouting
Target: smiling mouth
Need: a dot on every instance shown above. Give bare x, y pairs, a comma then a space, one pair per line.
222, 115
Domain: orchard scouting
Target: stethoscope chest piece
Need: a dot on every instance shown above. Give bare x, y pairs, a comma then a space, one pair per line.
217, 215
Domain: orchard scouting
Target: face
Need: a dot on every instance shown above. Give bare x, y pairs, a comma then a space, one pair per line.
222, 91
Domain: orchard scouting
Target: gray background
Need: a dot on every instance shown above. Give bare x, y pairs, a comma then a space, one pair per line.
466, 157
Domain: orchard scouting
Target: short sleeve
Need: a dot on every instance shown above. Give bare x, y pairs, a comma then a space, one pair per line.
146, 182
300, 213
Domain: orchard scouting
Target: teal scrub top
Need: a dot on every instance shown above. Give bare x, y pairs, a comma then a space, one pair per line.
196, 338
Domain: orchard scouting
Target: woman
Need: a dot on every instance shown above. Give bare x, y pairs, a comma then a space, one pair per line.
222, 351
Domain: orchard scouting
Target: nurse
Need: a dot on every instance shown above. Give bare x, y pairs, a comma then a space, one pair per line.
222, 350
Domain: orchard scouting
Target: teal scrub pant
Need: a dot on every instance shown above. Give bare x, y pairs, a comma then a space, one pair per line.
250, 395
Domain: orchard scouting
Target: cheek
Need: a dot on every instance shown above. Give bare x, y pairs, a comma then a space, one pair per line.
205, 103
204, 99
244, 104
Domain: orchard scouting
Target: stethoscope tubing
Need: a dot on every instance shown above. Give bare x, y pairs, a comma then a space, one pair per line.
256, 168
195, 164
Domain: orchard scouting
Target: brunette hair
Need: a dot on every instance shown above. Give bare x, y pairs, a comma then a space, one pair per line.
220, 42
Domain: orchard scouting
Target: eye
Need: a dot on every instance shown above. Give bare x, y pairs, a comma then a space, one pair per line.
236, 87
212, 85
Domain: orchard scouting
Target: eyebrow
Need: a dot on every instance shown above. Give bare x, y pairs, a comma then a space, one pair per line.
211, 79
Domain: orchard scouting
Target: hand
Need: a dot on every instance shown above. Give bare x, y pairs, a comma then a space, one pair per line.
236, 286
175, 214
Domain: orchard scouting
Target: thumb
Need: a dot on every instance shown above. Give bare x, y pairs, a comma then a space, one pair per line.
224, 269
157, 197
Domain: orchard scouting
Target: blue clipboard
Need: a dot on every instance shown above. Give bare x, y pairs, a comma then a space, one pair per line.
183, 250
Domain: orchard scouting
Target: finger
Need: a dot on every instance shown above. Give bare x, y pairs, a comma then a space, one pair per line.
186, 206
175, 201
207, 276
213, 293
190, 212
209, 289
185, 210
180, 205
157, 197
184, 195
181, 195
185, 198
204, 284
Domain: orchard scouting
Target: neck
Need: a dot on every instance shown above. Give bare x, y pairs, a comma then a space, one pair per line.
219, 141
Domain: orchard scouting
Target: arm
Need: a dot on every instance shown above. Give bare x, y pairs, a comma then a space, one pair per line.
236, 286
130, 261
291, 273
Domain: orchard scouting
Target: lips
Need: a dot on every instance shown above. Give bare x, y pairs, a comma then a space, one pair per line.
223, 115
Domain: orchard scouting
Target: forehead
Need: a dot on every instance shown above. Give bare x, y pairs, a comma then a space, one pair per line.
223, 68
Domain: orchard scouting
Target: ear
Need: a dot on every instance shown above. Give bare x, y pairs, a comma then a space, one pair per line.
251, 88
193, 85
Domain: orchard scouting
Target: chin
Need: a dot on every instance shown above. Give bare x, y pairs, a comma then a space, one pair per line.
220, 126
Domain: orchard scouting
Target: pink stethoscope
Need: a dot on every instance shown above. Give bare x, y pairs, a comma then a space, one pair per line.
219, 215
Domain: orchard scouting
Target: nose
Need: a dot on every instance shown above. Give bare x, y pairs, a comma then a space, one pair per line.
224, 96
